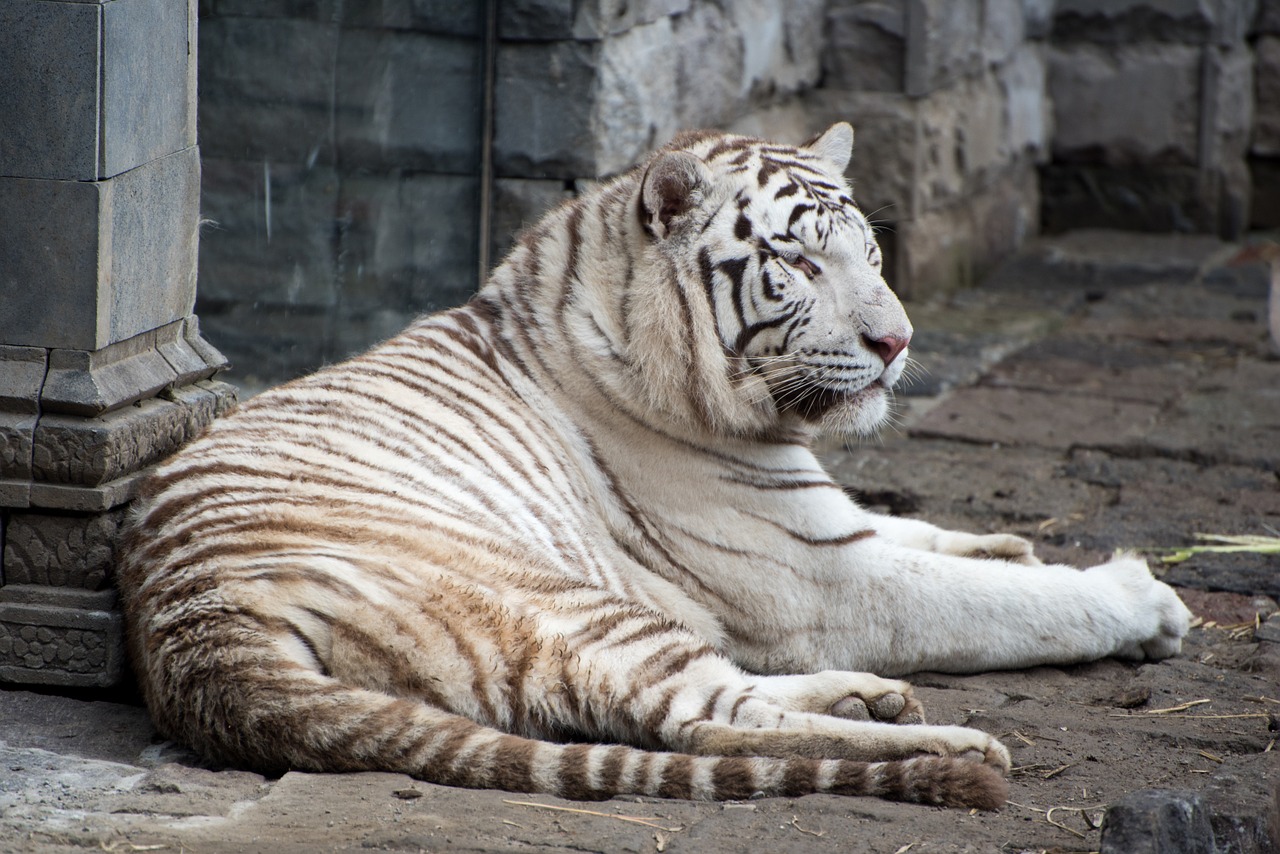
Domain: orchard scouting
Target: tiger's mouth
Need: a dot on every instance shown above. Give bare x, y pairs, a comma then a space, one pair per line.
816, 403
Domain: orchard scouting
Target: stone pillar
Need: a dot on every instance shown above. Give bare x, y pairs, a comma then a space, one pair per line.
102, 368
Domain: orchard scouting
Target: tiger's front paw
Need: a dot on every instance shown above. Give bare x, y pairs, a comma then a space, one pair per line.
990, 546
1159, 620
969, 744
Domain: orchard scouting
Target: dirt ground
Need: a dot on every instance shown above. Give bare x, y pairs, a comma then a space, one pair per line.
1128, 402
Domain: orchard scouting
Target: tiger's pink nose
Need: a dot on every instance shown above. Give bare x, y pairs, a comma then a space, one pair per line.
887, 348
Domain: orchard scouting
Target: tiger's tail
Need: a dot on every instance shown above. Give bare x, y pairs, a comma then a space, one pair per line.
279, 715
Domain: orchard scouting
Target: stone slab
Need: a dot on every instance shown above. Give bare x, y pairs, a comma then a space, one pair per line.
61, 550
271, 240
553, 20
22, 372
517, 203
49, 91
17, 435
148, 89
1136, 103
1266, 129
542, 110
1127, 21
442, 17
87, 264
1102, 366
944, 43
50, 638
1014, 417
409, 243
408, 100
1232, 415
92, 90
87, 499
89, 383
1158, 821
865, 46
74, 450
266, 89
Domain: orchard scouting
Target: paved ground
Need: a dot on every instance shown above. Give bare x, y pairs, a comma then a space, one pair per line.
1101, 392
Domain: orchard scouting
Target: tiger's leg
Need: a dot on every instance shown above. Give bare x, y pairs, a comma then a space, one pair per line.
916, 534
663, 686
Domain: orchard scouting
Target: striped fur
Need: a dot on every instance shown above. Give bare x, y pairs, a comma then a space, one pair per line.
570, 538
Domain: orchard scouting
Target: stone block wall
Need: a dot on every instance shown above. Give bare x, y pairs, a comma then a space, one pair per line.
584, 90
1264, 144
947, 102
342, 164
1153, 101
103, 370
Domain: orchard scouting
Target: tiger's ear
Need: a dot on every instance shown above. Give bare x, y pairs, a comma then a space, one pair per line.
674, 183
834, 144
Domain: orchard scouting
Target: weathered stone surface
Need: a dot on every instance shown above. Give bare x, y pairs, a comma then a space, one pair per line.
267, 344
964, 141
1267, 20
17, 437
92, 382
86, 499
79, 75
409, 100
1104, 366
1189, 21
58, 636
1231, 415
409, 244
865, 46
444, 17
87, 264
1005, 416
518, 203
146, 72
543, 102
92, 451
950, 247
1028, 115
1266, 131
944, 42
61, 551
1129, 104
266, 89
49, 94
551, 20
1158, 821
272, 233
21, 376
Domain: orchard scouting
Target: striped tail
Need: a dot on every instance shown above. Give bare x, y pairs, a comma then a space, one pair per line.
298, 719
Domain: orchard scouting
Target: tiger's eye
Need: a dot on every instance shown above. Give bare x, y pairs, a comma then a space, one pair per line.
802, 264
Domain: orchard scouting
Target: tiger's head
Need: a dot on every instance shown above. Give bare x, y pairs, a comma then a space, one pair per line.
784, 317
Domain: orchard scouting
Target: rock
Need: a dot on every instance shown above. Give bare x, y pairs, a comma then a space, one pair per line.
1266, 131
1158, 821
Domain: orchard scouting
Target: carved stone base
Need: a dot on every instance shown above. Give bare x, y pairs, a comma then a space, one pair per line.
63, 493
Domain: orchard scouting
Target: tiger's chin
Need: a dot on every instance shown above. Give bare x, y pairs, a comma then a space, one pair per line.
842, 413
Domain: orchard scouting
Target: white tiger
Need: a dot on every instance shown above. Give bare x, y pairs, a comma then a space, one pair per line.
583, 508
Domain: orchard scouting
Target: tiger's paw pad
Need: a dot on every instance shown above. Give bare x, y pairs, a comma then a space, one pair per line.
890, 707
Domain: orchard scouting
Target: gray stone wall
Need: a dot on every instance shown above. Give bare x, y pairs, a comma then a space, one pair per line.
344, 154
341, 145
947, 102
1264, 143
1153, 101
